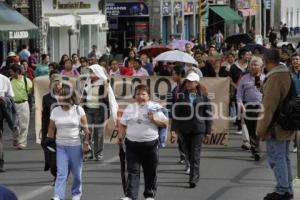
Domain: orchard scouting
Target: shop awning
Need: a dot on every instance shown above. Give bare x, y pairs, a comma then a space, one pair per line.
14, 26
92, 19
247, 12
62, 21
229, 15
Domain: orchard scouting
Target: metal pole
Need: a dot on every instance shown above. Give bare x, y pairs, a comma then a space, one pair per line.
298, 153
200, 22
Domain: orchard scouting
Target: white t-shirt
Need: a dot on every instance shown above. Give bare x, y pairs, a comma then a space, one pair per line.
67, 125
5, 87
139, 127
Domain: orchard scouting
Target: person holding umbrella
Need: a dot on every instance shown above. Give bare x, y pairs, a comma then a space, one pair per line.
139, 128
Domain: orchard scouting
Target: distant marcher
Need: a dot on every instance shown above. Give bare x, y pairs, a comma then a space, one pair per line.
95, 52
33, 58
249, 98
295, 69
178, 77
139, 125
83, 69
138, 69
21, 86
100, 104
75, 61
25, 53
68, 70
49, 102
28, 72
284, 31
146, 64
219, 39
275, 89
63, 58
114, 68
42, 68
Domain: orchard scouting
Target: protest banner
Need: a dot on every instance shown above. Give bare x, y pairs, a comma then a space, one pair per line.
160, 88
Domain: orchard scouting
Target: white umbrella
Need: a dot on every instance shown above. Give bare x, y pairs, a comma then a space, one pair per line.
280, 44
176, 56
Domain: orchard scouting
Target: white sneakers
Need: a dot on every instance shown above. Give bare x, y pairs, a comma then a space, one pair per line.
76, 197
125, 198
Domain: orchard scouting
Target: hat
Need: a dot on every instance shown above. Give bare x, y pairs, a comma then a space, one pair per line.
193, 77
11, 54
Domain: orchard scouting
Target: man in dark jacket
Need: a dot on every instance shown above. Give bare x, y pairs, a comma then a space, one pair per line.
49, 102
193, 120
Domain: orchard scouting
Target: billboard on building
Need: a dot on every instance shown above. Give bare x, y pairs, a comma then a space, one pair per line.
127, 9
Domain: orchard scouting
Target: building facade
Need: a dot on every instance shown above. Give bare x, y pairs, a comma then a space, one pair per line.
131, 21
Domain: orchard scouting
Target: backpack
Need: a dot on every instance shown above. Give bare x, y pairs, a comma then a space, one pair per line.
288, 114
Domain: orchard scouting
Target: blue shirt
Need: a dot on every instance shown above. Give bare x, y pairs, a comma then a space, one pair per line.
296, 79
247, 91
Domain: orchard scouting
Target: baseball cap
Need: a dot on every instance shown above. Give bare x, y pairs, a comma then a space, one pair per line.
193, 77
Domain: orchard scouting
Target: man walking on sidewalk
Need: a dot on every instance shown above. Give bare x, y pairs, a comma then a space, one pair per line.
275, 89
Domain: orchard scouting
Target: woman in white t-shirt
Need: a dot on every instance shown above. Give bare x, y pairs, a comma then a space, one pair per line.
139, 124
67, 119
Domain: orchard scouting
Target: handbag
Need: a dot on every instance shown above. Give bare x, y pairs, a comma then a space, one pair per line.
81, 134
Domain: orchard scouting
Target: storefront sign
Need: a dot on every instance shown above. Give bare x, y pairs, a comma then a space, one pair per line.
127, 9
18, 35
268, 4
71, 5
50, 7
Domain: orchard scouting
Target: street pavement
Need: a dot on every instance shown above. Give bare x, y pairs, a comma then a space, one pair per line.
227, 173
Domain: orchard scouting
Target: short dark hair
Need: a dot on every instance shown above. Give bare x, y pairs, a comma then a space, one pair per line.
83, 58
242, 52
16, 68
69, 95
113, 60
55, 65
24, 46
44, 56
141, 87
138, 61
296, 54
179, 70
272, 56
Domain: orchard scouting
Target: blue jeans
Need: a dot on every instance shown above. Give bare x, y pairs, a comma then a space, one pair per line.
279, 161
68, 157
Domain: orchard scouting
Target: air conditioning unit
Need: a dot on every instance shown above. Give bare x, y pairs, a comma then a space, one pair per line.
104, 26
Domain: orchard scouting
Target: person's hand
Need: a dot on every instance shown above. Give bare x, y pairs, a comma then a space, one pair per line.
151, 115
241, 107
1, 100
173, 137
120, 140
86, 147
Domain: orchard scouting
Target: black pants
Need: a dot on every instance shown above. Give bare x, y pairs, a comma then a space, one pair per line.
250, 118
143, 154
193, 144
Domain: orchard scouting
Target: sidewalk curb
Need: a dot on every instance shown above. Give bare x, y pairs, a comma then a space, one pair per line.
296, 185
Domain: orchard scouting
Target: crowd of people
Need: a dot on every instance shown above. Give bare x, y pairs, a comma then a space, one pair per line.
70, 122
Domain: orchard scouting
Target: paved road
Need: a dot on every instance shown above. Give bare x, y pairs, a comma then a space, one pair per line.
226, 174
